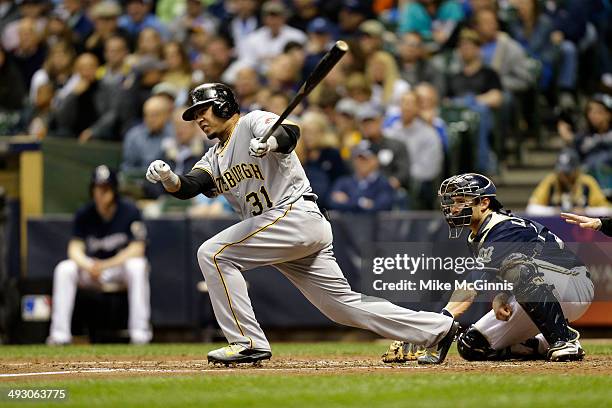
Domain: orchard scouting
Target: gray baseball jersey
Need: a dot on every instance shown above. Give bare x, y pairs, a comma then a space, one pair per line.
254, 185
282, 226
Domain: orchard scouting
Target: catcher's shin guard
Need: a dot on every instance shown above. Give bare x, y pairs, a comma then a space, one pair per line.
536, 297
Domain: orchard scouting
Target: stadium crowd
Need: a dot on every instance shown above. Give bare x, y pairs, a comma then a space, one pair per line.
379, 132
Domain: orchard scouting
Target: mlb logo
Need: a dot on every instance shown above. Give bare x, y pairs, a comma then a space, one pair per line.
36, 308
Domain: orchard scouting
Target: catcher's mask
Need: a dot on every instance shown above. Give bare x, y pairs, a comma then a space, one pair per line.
459, 194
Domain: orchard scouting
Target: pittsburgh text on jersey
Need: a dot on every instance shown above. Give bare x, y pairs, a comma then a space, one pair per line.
236, 174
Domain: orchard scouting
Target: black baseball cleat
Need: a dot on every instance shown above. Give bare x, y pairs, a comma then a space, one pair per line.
437, 354
237, 354
570, 350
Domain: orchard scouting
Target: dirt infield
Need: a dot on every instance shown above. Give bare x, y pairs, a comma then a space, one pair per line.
120, 366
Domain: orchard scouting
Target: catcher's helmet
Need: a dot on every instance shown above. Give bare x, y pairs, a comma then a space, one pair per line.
460, 193
220, 96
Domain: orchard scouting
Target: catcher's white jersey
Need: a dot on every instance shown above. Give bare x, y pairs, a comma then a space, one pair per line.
254, 185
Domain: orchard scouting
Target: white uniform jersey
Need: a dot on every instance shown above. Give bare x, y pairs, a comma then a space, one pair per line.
254, 185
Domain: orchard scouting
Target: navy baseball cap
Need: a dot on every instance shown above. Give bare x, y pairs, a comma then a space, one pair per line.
364, 149
368, 111
320, 25
567, 162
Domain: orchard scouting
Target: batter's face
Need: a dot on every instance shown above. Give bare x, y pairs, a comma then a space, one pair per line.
212, 125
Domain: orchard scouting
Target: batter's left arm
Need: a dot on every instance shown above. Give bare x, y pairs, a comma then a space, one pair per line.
197, 181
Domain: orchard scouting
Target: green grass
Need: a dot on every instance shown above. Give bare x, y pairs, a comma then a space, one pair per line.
198, 351
380, 388
372, 390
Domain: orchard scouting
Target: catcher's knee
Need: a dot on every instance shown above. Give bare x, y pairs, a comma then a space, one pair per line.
473, 346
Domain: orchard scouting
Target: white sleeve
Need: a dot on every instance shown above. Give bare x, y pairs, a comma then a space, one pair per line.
260, 122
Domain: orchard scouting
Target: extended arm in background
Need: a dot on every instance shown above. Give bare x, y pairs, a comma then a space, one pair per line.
603, 224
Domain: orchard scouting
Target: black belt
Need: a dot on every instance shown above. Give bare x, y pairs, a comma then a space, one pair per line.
314, 200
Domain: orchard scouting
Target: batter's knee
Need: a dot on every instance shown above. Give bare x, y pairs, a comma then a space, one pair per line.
66, 269
474, 346
206, 253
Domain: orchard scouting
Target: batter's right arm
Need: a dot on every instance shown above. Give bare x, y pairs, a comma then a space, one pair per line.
184, 187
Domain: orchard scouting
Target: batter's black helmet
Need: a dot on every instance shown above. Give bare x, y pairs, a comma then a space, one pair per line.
220, 96
468, 187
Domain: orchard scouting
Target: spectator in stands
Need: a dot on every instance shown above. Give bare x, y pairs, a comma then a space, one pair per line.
345, 126
58, 30
320, 37
479, 88
303, 12
78, 21
536, 32
434, 20
143, 143
179, 67
322, 162
105, 15
138, 17
36, 117
568, 190
502, 53
414, 65
220, 51
392, 154
283, 74
79, 113
150, 43
56, 70
246, 87
13, 93
358, 88
9, 12
275, 34
107, 247
116, 69
333, 85
138, 87
383, 75
371, 38
425, 151
351, 15
240, 24
594, 145
195, 15
30, 53
429, 110
33, 10
367, 190
187, 147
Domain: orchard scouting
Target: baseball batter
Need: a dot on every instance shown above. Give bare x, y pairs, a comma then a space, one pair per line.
281, 226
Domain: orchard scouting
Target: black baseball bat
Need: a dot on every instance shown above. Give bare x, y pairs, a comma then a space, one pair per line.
321, 70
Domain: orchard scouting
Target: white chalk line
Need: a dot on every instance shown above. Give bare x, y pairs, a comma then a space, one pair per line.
242, 369
204, 370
